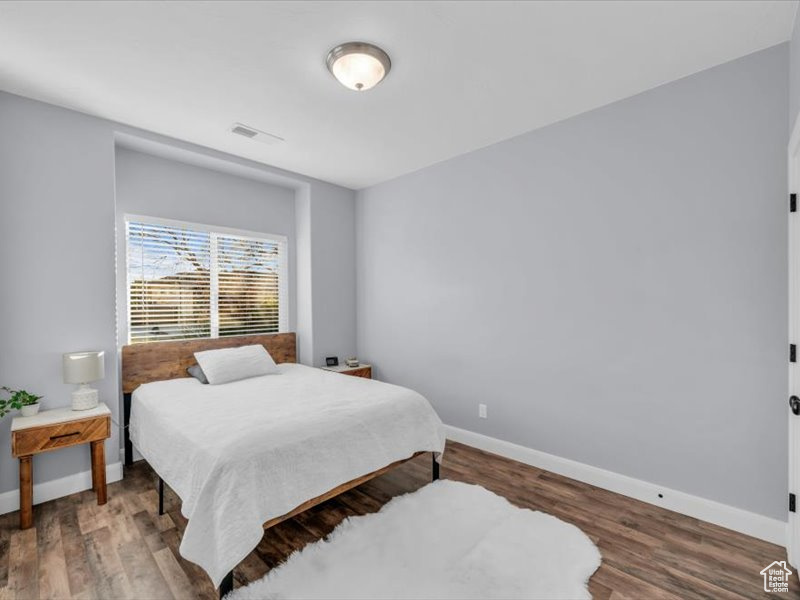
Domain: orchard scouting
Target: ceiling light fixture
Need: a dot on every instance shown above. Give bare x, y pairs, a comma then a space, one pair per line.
358, 66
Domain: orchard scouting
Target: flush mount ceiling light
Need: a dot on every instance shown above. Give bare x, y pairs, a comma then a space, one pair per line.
358, 66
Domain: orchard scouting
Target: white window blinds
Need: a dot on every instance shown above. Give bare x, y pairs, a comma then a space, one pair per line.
190, 281
248, 285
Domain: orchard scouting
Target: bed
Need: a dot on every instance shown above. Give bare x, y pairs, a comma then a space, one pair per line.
244, 456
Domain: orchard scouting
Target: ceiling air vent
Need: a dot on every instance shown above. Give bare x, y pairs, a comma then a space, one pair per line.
255, 134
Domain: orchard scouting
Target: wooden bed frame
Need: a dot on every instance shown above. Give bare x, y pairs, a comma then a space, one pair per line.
157, 361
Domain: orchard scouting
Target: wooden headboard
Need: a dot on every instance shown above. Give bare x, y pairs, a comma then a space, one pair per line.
143, 363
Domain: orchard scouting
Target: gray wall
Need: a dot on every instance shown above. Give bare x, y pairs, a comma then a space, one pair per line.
613, 286
56, 264
57, 242
158, 187
333, 251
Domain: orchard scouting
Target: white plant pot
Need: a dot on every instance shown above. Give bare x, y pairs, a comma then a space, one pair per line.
29, 410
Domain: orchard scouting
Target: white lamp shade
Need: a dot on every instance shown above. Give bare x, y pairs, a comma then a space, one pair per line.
358, 72
83, 367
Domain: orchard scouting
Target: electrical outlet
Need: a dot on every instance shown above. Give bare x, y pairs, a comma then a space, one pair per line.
482, 411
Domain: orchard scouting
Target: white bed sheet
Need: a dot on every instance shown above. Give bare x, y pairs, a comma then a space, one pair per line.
241, 453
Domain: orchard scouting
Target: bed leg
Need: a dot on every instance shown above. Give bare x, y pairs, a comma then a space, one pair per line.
435, 467
160, 496
227, 585
126, 421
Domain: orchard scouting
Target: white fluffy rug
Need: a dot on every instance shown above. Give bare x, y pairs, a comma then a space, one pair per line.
447, 540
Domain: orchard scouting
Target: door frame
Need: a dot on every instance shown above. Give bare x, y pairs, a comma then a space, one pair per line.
793, 230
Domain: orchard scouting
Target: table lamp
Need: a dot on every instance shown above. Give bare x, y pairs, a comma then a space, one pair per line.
83, 368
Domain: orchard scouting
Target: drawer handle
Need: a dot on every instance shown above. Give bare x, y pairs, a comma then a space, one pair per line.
64, 435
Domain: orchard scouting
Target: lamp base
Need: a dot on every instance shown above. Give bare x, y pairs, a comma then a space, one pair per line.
84, 398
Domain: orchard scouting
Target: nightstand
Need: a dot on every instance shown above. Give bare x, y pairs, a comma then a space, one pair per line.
54, 429
361, 370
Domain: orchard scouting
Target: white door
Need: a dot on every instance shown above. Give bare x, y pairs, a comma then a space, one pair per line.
793, 541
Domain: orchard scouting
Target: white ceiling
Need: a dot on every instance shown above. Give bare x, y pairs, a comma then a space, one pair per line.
464, 74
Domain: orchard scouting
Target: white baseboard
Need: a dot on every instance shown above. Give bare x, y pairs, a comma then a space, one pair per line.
57, 488
737, 519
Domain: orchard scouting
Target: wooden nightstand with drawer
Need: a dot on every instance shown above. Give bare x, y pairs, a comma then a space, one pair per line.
53, 429
361, 370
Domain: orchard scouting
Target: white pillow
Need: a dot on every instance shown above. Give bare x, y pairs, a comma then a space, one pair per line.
232, 364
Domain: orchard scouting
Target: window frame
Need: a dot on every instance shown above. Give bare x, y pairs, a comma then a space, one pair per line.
213, 230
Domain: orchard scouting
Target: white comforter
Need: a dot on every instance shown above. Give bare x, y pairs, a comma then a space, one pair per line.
242, 453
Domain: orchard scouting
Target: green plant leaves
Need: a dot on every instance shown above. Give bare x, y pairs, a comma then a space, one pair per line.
18, 399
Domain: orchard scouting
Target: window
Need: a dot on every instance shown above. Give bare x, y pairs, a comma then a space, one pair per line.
194, 281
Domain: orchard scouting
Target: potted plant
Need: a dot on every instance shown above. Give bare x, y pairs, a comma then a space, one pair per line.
19, 400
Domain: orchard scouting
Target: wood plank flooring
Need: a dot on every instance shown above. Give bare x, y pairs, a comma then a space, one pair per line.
77, 549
